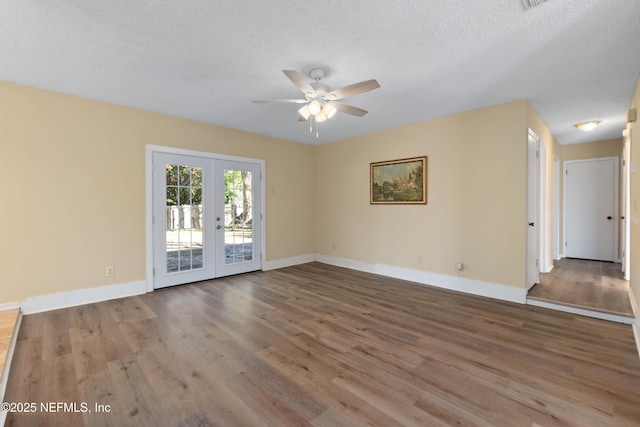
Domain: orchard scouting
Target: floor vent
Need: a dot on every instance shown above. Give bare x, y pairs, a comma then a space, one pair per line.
531, 3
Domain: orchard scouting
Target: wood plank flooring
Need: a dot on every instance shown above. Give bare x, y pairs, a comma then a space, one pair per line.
317, 345
592, 285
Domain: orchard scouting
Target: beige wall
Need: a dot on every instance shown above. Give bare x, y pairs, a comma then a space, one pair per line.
633, 130
592, 150
73, 174
60, 149
476, 197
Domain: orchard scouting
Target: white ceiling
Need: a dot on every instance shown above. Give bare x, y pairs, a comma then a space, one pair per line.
205, 60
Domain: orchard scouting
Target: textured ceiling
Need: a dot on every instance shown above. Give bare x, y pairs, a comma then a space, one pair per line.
205, 60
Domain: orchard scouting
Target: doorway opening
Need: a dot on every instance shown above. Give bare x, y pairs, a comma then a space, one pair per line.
588, 276
204, 216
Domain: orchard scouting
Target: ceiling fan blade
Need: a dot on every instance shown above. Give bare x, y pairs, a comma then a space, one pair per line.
300, 82
287, 101
352, 90
350, 109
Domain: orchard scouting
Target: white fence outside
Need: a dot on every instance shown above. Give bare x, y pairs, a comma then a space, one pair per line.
184, 217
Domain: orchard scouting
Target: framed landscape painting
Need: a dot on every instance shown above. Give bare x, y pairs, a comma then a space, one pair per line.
399, 182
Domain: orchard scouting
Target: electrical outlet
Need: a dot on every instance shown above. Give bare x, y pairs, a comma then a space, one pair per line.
459, 266
109, 271
419, 259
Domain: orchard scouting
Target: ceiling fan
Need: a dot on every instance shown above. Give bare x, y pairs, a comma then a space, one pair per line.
321, 103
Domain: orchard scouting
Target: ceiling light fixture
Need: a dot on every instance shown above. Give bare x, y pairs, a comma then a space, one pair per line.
314, 107
587, 126
304, 112
329, 109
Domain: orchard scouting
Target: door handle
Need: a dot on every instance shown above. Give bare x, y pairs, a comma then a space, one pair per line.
531, 224
621, 217
609, 218
218, 227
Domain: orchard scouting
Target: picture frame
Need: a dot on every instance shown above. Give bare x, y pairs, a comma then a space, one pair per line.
399, 182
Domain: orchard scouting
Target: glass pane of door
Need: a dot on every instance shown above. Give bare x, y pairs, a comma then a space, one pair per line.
184, 217
238, 216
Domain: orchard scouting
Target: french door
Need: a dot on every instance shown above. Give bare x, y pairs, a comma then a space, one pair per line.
206, 218
237, 217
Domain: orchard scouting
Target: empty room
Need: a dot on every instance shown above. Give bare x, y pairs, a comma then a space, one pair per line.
320, 214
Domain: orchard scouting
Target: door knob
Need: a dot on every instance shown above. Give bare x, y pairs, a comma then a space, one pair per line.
609, 218
531, 224
218, 227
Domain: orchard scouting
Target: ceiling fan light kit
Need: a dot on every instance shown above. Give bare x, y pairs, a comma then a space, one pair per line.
304, 112
320, 102
321, 112
330, 109
314, 107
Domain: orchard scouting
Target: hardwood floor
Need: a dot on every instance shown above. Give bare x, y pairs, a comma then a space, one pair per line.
592, 285
316, 345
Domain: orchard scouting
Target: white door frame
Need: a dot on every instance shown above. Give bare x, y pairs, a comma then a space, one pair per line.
557, 245
545, 263
150, 149
616, 199
532, 246
625, 215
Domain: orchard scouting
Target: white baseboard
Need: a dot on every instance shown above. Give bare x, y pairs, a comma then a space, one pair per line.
42, 303
288, 262
7, 366
454, 283
82, 296
581, 311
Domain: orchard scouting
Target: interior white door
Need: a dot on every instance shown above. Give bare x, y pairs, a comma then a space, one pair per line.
590, 193
533, 268
182, 208
238, 219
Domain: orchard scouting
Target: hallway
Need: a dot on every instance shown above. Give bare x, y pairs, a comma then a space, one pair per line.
589, 285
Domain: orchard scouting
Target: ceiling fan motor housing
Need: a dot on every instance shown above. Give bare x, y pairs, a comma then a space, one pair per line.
317, 74
320, 88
